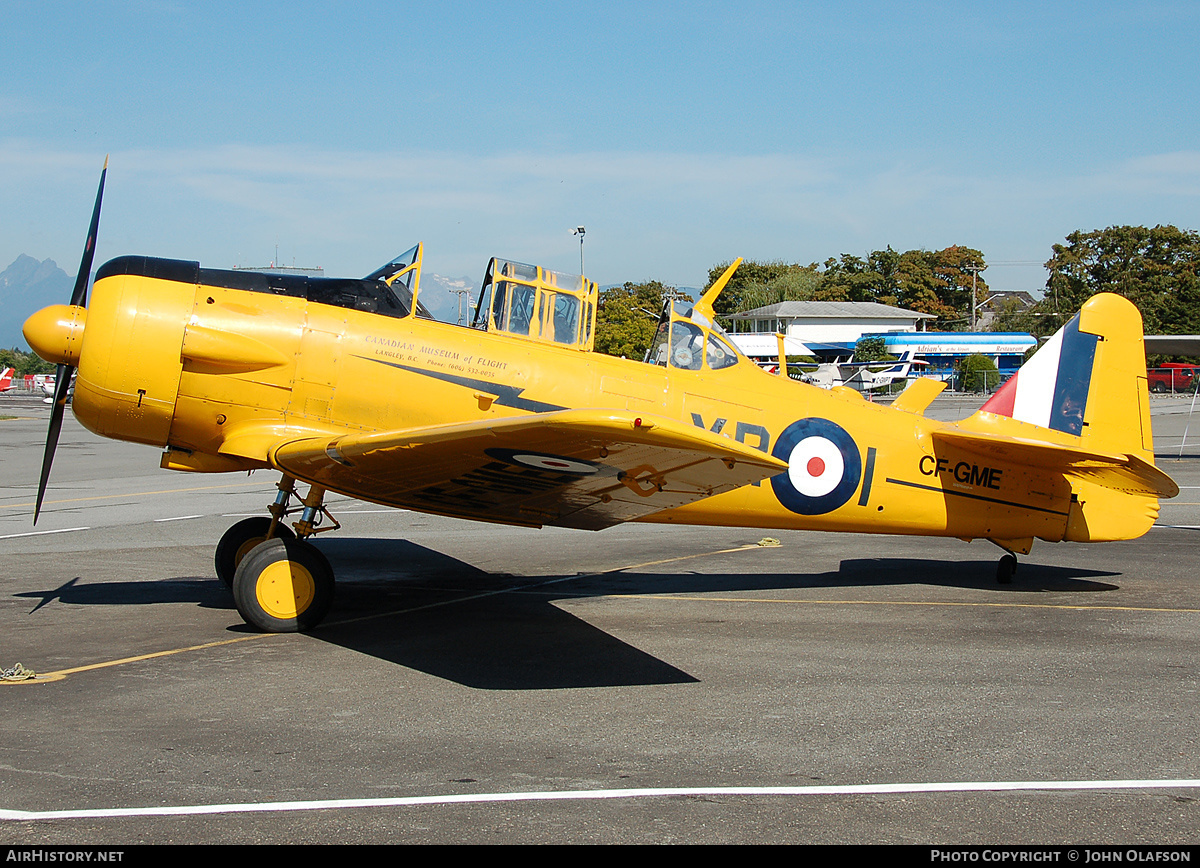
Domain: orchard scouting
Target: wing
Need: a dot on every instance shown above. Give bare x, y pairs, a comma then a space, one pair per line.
573, 468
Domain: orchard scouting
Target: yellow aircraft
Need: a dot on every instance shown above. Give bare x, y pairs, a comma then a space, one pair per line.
346, 385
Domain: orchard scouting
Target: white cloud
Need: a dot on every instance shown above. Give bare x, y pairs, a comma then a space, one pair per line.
649, 215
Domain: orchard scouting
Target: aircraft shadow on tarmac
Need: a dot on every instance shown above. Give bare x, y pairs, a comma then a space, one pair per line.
503, 632
416, 607
421, 609
191, 589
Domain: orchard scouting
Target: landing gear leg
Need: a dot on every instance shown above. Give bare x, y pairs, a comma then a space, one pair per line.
1006, 569
239, 540
283, 584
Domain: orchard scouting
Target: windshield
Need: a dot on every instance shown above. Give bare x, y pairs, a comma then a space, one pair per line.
399, 264
403, 274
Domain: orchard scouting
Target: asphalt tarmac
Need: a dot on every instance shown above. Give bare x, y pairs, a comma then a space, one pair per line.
644, 684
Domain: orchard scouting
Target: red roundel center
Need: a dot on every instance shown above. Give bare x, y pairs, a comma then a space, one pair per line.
815, 466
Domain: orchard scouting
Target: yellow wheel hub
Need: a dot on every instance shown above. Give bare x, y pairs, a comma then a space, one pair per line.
285, 590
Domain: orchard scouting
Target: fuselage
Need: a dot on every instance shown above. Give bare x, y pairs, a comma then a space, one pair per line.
216, 374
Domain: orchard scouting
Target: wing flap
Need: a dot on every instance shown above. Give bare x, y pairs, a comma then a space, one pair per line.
574, 468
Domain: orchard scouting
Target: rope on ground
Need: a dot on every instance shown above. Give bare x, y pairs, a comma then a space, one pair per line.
17, 673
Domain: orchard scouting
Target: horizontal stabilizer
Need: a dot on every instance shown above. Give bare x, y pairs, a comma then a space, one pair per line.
919, 395
1122, 472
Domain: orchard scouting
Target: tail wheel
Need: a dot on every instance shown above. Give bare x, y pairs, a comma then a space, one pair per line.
240, 539
283, 586
1006, 569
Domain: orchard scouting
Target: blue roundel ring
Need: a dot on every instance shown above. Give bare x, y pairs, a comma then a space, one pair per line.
824, 466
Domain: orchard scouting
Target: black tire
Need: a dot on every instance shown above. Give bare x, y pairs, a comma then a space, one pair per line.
1158, 387
1006, 569
237, 542
283, 586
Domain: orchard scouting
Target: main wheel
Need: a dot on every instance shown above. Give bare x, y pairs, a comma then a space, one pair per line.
1006, 569
237, 542
283, 586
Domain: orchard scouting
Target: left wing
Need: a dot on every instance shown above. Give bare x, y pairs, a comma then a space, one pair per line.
572, 468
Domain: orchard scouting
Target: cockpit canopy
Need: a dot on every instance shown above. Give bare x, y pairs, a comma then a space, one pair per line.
538, 304
552, 307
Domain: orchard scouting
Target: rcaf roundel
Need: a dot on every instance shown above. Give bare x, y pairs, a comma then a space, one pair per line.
824, 466
544, 461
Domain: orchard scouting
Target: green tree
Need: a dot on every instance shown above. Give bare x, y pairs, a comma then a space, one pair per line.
936, 282
24, 363
978, 373
626, 318
851, 278
797, 283
939, 282
755, 281
871, 350
1153, 268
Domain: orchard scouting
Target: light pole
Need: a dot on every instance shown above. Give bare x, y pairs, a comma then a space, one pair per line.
580, 231
974, 269
462, 295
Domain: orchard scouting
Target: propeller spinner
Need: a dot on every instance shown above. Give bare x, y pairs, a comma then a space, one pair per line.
55, 333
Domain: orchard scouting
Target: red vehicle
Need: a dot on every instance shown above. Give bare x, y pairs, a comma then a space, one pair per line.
1172, 377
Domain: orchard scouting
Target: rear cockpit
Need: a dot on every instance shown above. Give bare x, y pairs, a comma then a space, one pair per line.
536, 303
526, 301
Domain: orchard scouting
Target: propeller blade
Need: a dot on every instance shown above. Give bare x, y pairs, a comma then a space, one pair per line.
79, 295
62, 388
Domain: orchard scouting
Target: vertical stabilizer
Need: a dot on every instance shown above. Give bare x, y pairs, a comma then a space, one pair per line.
1088, 380
1087, 386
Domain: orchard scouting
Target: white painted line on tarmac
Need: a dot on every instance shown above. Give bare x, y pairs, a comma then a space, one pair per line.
179, 518
1179, 526
43, 532
585, 795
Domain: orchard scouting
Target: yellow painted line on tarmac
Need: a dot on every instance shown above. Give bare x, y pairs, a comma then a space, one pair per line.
59, 675
136, 494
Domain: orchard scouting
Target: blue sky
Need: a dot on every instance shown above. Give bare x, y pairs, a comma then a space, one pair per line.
680, 134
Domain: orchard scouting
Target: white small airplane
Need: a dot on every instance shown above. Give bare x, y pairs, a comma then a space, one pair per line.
862, 376
48, 385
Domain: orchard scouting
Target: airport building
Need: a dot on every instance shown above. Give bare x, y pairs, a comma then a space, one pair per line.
829, 330
943, 350
828, 321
